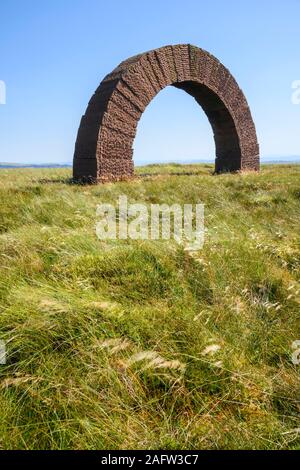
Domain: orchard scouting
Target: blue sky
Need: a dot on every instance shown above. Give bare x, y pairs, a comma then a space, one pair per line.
53, 55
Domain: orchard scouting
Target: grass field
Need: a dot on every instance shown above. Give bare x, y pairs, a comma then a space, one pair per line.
141, 344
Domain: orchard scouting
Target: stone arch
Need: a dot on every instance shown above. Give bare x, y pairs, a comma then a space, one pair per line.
103, 149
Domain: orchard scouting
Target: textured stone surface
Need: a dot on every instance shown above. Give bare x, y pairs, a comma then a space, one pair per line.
103, 149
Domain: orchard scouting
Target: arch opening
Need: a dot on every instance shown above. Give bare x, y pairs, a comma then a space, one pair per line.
104, 145
227, 146
173, 129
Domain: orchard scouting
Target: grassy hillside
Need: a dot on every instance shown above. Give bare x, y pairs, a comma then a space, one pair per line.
140, 344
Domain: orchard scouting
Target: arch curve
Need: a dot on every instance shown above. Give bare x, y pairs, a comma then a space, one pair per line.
104, 145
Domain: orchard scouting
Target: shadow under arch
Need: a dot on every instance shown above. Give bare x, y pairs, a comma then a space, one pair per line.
104, 145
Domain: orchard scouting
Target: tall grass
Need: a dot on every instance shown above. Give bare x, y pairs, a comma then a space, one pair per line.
140, 344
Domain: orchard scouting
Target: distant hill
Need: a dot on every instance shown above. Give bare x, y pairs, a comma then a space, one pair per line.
277, 159
271, 159
35, 165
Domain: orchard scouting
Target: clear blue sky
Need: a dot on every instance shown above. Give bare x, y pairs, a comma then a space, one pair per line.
54, 53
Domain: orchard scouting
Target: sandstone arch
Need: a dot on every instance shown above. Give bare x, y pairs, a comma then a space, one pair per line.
103, 149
